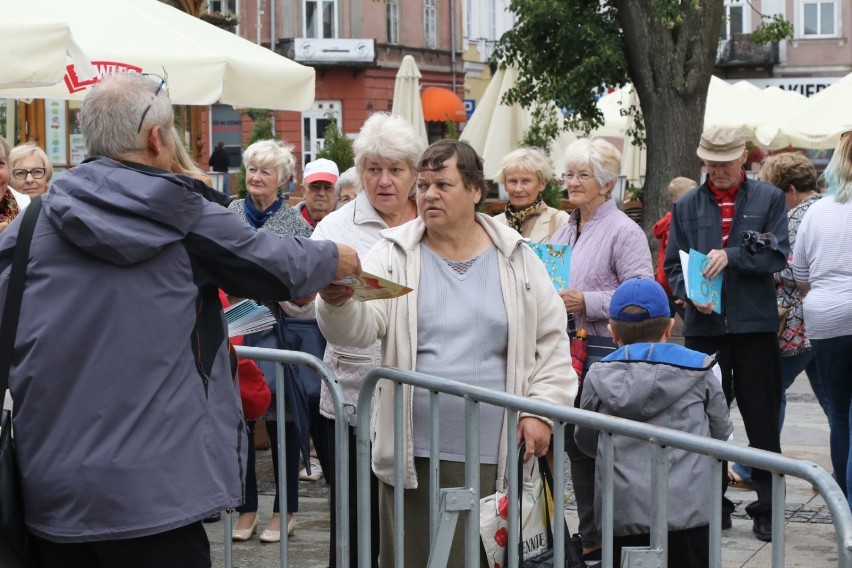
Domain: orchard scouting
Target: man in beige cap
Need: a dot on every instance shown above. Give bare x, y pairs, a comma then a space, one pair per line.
713, 219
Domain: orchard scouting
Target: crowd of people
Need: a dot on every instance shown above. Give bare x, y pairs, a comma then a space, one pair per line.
169, 439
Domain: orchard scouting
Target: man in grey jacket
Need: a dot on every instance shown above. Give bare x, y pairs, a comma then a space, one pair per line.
713, 219
128, 426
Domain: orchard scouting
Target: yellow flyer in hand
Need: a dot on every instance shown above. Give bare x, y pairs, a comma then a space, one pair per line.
371, 287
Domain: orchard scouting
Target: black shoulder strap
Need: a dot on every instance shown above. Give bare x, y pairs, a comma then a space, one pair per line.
15, 292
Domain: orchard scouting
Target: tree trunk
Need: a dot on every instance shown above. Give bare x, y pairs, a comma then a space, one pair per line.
670, 67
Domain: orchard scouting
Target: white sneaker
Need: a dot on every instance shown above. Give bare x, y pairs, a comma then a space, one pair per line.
316, 472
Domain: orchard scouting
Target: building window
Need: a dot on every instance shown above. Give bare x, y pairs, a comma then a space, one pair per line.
735, 20
320, 19
222, 6
468, 24
393, 21
430, 22
314, 123
819, 18
492, 20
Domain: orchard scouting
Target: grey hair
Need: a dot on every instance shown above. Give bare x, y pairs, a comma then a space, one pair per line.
603, 157
23, 151
349, 178
111, 111
272, 153
527, 159
387, 137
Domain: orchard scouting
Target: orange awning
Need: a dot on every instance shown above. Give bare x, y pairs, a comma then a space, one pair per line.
440, 104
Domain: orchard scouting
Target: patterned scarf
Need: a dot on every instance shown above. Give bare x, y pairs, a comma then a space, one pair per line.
516, 218
257, 218
8, 207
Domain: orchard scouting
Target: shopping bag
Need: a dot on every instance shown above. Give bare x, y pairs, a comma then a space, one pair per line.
535, 548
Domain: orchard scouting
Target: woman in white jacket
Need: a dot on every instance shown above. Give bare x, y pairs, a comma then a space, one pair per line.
386, 152
473, 278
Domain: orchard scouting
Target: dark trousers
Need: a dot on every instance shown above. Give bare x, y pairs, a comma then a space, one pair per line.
292, 462
687, 548
185, 547
751, 373
583, 481
330, 472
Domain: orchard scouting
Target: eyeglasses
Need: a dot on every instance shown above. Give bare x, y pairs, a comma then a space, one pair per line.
319, 188
37, 173
153, 98
582, 177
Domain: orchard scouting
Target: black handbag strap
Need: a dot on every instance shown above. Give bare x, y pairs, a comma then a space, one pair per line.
15, 292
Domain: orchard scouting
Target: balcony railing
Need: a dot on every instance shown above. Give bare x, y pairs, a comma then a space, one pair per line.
740, 50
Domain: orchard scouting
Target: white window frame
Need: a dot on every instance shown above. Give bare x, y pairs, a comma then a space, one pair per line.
320, 23
726, 22
312, 141
430, 23
393, 21
836, 24
492, 20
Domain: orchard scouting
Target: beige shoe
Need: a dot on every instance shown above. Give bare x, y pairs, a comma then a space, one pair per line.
242, 535
269, 535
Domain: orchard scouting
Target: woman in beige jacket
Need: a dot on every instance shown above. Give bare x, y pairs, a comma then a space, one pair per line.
473, 278
525, 173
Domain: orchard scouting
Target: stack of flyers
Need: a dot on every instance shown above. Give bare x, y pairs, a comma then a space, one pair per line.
248, 316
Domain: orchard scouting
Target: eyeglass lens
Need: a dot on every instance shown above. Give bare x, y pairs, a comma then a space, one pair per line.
37, 173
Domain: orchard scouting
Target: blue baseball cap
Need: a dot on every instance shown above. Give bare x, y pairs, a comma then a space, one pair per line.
641, 292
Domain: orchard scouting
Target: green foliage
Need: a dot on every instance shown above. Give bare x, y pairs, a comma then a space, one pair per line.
552, 193
337, 147
587, 37
772, 28
452, 129
262, 130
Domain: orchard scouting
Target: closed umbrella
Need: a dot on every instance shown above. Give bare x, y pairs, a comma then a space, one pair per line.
406, 96
204, 64
495, 129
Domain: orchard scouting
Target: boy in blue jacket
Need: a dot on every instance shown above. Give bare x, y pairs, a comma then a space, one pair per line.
664, 384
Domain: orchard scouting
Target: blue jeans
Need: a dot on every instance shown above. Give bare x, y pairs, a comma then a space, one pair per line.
791, 367
834, 360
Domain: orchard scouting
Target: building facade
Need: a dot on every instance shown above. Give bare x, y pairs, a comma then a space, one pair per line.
356, 47
819, 53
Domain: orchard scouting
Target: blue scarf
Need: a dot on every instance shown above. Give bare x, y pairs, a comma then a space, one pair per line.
257, 218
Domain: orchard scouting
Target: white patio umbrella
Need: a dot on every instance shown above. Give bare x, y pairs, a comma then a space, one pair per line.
35, 49
204, 64
817, 124
406, 96
632, 156
495, 129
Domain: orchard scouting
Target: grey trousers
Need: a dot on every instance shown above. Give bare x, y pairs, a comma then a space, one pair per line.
416, 523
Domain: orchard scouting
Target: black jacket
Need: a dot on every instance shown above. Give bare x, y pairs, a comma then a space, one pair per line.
748, 293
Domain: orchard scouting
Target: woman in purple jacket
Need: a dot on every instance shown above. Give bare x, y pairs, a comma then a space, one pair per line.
608, 248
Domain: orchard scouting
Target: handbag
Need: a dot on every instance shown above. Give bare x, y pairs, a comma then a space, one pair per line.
537, 519
597, 347
17, 547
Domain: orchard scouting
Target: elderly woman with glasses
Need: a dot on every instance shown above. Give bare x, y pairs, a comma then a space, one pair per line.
525, 173
608, 248
269, 164
31, 170
346, 187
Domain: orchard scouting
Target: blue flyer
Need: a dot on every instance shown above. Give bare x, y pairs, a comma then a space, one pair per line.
700, 288
557, 260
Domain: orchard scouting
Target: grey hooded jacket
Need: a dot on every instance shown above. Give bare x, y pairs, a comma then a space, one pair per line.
662, 384
127, 422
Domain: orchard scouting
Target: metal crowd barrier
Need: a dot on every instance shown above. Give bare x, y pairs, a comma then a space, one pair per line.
341, 437
445, 504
